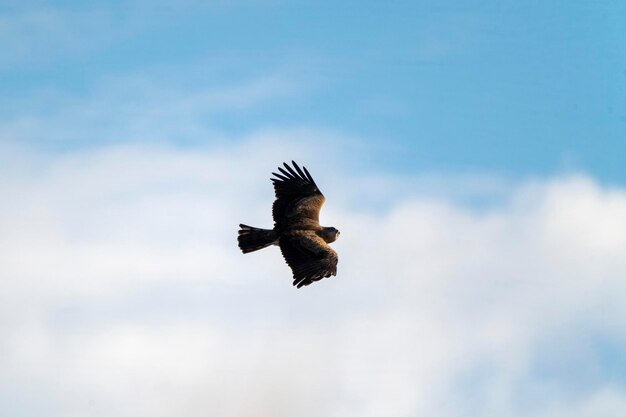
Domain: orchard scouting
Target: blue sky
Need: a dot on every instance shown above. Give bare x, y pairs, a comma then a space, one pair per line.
471, 154
519, 89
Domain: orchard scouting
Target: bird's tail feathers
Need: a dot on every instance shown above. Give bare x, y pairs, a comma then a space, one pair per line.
252, 238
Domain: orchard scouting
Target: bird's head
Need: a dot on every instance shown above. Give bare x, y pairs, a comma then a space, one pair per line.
330, 234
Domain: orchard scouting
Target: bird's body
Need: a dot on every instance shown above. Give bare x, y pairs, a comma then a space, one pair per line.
302, 240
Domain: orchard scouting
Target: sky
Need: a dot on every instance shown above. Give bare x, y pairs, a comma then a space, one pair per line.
470, 153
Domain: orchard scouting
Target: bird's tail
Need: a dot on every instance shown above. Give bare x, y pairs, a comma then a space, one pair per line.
252, 238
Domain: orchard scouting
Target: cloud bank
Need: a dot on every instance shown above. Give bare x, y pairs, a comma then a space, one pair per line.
124, 294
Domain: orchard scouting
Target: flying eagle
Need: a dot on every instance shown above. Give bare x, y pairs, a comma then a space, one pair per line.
297, 230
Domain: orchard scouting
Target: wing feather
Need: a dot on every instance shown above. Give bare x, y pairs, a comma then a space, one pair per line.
309, 177
291, 171
287, 174
298, 200
300, 173
309, 257
279, 176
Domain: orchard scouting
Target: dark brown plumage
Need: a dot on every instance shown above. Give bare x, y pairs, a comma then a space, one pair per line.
302, 240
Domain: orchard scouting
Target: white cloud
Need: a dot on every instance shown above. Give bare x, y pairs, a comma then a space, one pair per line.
123, 292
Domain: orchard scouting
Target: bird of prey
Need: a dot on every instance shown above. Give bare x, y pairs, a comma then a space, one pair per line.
297, 230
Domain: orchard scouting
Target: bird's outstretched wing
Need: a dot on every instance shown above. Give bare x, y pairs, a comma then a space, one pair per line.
309, 257
298, 200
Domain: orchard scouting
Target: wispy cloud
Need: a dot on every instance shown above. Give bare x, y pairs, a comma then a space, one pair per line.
37, 34
141, 108
40, 35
